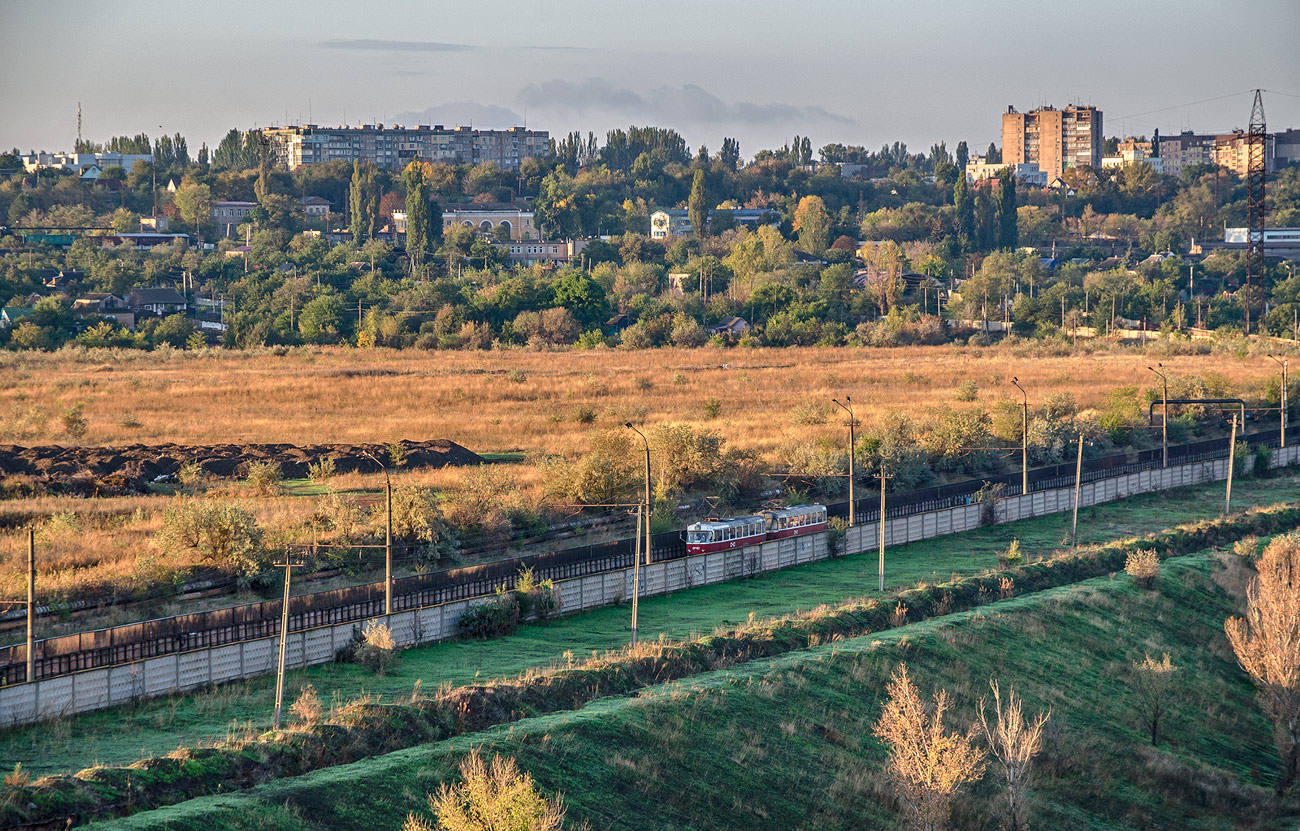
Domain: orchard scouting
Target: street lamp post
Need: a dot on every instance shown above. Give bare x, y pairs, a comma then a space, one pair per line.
388, 535
883, 477
289, 566
852, 503
636, 568
1283, 362
1024, 439
1164, 418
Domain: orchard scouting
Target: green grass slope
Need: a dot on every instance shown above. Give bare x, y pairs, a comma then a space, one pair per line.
786, 743
124, 735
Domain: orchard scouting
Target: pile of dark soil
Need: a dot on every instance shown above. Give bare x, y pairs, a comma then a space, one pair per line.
103, 471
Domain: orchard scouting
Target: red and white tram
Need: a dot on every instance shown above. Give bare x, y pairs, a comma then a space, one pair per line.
724, 534
791, 522
736, 532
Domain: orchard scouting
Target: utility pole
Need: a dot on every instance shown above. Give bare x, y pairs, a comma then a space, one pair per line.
636, 573
852, 502
1078, 486
1024, 439
1232, 460
31, 602
1283, 362
284, 638
1164, 418
388, 535
883, 477
648, 510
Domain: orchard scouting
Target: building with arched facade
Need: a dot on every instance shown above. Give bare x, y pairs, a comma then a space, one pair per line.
512, 221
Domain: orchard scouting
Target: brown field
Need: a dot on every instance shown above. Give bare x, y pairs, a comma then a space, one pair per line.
313, 395
487, 401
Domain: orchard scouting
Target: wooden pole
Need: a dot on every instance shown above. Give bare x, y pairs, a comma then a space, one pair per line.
1232, 458
1078, 486
31, 603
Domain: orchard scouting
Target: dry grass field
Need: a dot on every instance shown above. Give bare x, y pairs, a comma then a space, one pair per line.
550, 402
490, 402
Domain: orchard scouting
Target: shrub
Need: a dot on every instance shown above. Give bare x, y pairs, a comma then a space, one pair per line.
584, 414
1247, 547
899, 616
493, 617
74, 422
265, 478
18, 777
1143, 566
222, 533
396, 453
321, 469
1012, 556
837, 534
191, 475
306, 708
129, 421
516, 376
712, 408
967, 391
377, 651
928, 766
491, 796
809, 413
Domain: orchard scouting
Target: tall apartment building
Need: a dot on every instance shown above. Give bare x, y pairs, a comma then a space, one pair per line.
392, 147
1053, 139
1184, 150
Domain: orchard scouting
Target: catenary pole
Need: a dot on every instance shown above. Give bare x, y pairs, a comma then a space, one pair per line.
31, 603
1232, 459
1078, 486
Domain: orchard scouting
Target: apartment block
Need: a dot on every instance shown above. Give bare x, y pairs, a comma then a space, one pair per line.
1053, 139
392, 147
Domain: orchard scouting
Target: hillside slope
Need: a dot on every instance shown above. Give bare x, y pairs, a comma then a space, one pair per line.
787, 744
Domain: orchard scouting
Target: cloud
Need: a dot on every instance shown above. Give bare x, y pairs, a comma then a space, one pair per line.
374, 45
688, 103
397, 45
457, 113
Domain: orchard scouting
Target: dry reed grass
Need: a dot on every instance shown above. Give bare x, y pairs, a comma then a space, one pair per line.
490, 401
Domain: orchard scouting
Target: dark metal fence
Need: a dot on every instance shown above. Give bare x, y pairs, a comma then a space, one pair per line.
165, 636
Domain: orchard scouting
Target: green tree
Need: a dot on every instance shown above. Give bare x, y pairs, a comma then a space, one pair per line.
322, 319
698, 205
813, 224
965, 206
363, 201
194, 202
1008, 220
417, 213
963, 156
125, 221
583, 296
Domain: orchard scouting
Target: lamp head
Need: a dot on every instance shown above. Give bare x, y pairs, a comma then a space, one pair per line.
627, 424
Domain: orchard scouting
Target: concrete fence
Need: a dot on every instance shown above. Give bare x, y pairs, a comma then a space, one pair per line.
105, 687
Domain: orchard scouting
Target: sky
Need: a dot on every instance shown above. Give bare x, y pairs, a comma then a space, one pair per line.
862, 72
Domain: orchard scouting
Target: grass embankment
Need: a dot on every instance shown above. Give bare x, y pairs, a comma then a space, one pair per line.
368, 729
786, 743
125, 735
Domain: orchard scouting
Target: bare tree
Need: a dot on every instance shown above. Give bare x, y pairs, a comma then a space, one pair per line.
1154, 681
927, 765
1267, 644
1013, 742
491, 796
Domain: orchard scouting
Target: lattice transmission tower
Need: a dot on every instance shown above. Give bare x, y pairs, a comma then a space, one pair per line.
1256, 164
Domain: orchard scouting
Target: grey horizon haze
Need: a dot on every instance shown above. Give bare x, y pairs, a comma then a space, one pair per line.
852, 72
